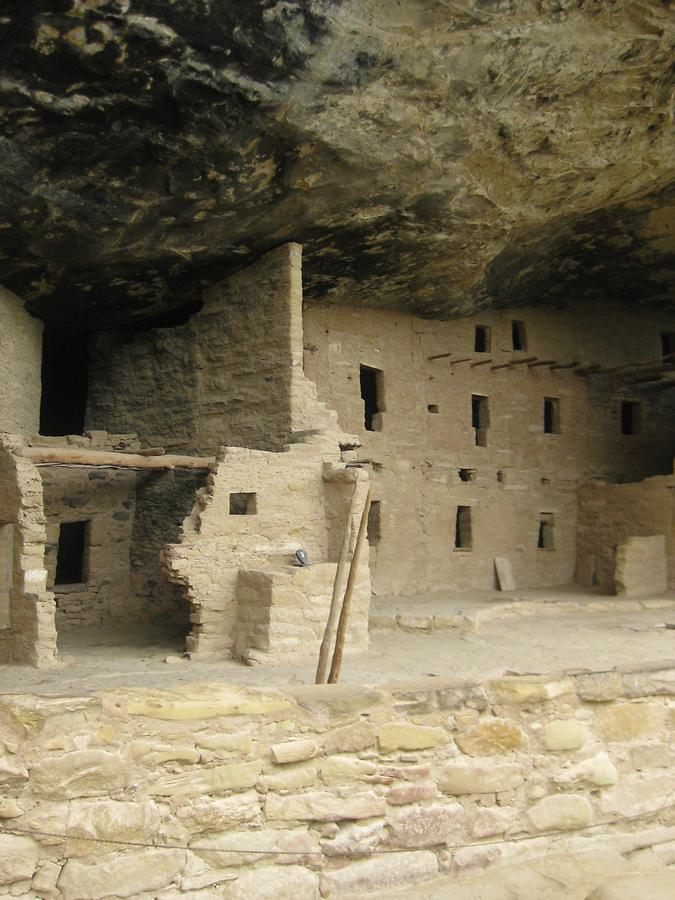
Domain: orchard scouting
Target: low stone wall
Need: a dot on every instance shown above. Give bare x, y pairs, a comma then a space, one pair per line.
218, 791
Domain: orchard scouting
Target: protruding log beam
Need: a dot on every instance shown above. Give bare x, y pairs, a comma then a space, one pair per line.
526, 360
572, 365
481, 362
541, 362
77, 456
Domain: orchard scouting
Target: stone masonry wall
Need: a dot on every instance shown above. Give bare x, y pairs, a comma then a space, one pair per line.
609, 514
425, 437
218, 791
20, 366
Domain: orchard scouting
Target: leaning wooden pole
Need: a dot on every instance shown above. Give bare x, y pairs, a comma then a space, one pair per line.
329, 631
351, 581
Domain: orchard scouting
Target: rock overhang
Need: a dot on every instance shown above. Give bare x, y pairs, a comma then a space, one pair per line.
437, 159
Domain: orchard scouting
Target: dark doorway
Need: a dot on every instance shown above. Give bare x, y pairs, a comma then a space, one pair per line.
463, 530
64, 382
518, 335
70, 554
667, 343
551, 415
480, 419
630, 417
371, 394
481, 342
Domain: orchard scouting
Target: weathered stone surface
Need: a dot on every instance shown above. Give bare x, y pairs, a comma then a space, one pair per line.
652, 886
491, 737
231, 849
565, 734
653, 756
405, 736
291, 778
10, 771
201, 702
121, 874
110, 819
356, 839
346, 768
218, 813
599, 687
81, 773
649, 684
627, 721
488, 778
561, 811
236, 776
482, 821
274, 883
635, 794
293, 751
239, 742
390, 871
351, 738
324, 807
18, 858
9, 808
519, 690
426, 826
411, 793
599, 771
46, 876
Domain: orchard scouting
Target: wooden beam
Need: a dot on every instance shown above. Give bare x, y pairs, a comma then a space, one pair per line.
525, 360
77, 456
439, 356
572, 365
481, 362
541, 362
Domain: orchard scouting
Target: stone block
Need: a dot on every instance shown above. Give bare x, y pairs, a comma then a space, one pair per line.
405, 736
637, 794
561, 812
18, 858
648, 886
46, 877
346, 768
489, 778
121, 874
641, 568
237, 776
380, 873
236, 848
290, 778
97, 820
324, 807
426, 826
627, 721
599, 771
218, 813
411, 793
80, 773
351, 738
356, 839
200, 702
521, 689
599, 687
653, 756
293, 751
649, 684
564, 734
486, 821
274, 883
239, 742
491, 737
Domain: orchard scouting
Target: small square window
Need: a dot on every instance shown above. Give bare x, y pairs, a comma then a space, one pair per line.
518, 335
631, 416
481, 341
433, 408
545, 540
243, 504
467, 474
551, 415
463, 532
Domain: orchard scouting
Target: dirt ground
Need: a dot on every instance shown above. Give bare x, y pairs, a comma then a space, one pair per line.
524, 634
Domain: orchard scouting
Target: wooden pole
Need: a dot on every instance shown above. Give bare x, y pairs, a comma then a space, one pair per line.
541, 362
329, 631
481, 362
76, 456
351, 581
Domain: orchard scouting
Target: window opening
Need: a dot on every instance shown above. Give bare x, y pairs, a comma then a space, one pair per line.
371, 394
545, 537
6, 572
667, 342
374, 527
243, 504
480, 419
518, 335
65, 364
551, 415
463, 535
432, 408
70, 553
630, 417
467, 474
481, 343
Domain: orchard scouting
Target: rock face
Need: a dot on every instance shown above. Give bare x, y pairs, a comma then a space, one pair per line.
434, 157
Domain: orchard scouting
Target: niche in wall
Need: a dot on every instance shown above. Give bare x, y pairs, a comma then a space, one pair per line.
243, 504
551, 415
70, 554
374, 525
372, 394
463, 528
65, 363
545, 537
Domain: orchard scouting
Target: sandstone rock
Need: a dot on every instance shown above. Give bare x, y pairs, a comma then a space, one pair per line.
649, 684
485, 821
293, 751
520, 689
18, 858
480, 779
385, 872
274, 883
653, 756
598, 687
112, 820
426, 826
178, 753
239, 742
9, 808
290, 779
350, 738
230, 849
567, 734
627, 721
561, 811
201, 702
636, 794
10, 771
355, 839
411, 793
124, 874
203, 781
652, 886
345, 768
45, 879
599, 771
404, 736
81, 773
490, 737
324, 807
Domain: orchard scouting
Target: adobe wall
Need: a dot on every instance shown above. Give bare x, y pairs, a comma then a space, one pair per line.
522, 471
609, 514
220, 791
20, 366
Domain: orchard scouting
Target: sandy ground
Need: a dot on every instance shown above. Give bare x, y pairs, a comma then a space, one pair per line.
541, 641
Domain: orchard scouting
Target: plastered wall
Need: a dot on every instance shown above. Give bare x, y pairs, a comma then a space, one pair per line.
328, 791
20, 366
522, 472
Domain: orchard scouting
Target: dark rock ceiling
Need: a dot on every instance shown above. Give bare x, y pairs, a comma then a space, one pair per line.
432, 155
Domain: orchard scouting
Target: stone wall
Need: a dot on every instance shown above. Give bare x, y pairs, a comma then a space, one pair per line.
424, 443
20, 367
219, 791
610, 514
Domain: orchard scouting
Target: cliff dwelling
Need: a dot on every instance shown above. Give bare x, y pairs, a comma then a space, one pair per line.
337, 343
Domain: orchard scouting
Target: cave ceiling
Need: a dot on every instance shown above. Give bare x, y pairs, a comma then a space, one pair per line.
437, 156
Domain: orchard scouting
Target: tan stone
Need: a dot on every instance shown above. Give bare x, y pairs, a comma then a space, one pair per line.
81, 773
627, 721
411, 793
561, 811
488, 778
293, 751
484, 821
18, 858
9, 808
345, 768
653, 756
599, 771
519, 690
356, 839
203, 781
290, 779
404, 736
648, 886
598, 687
274, 883
201, 702
236, 848
564, 734
324, 807
100, 820
490, 737
218, 813
239, 742
426, 826
351, 738
380, 873
121, 874
637, 794
46, 877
